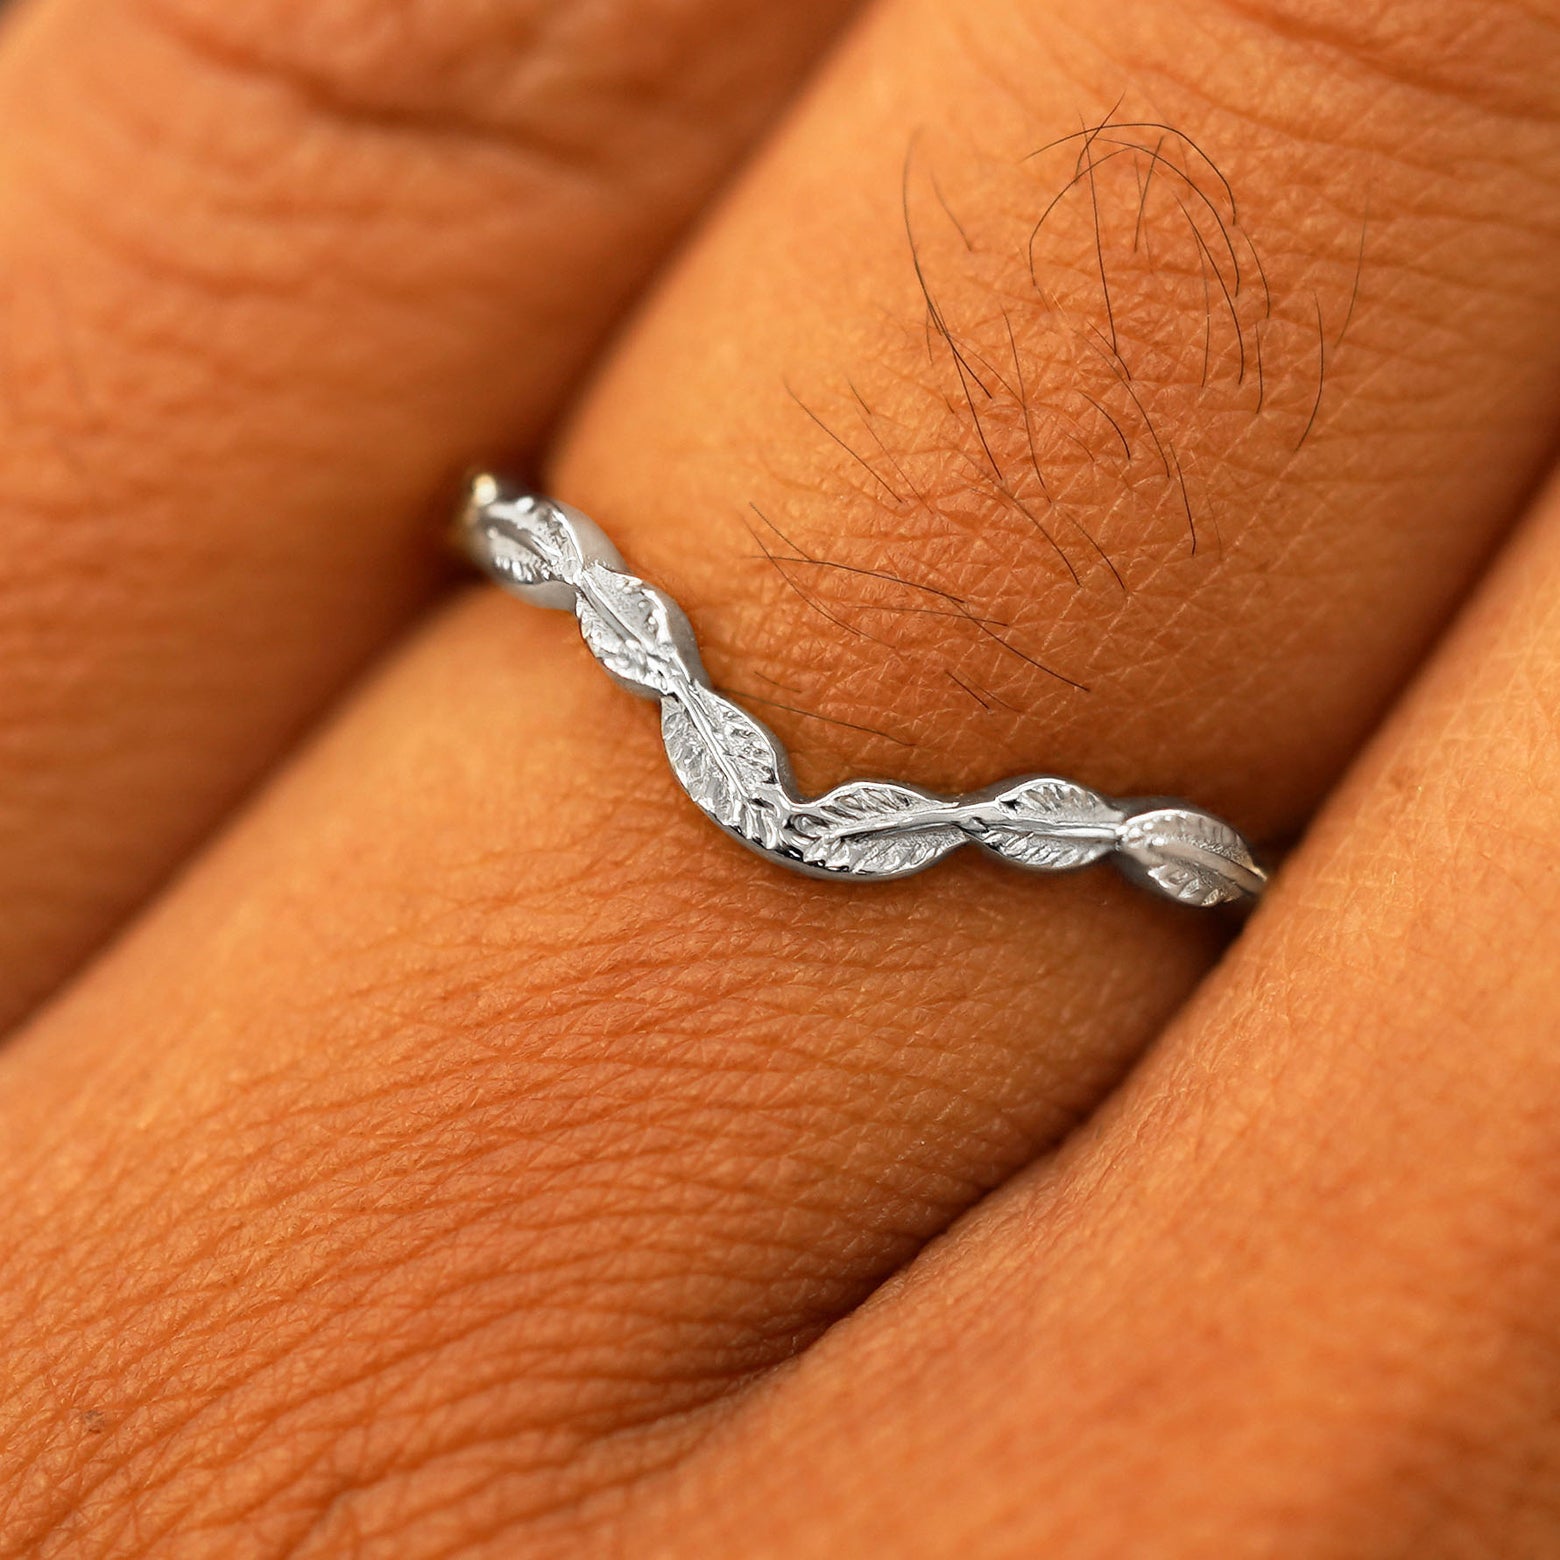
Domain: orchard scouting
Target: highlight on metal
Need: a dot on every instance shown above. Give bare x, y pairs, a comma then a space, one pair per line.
737, 772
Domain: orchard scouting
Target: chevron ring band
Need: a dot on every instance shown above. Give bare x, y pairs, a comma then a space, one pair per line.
737, 772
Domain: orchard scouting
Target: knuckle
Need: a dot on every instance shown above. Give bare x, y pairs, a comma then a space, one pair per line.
536, 78
370, 67
1486, 53
265, 138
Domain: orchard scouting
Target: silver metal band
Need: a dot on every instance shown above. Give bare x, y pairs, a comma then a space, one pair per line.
737, 772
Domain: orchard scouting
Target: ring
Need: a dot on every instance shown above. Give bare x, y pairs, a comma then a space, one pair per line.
737, 772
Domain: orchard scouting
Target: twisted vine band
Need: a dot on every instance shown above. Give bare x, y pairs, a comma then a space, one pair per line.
738, 774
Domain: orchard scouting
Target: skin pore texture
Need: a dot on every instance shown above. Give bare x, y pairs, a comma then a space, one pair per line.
1291, 1292
476, 1153
273, 269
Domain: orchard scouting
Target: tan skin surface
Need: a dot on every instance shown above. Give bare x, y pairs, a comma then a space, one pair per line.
441, 1169
272, 269
1292, 1291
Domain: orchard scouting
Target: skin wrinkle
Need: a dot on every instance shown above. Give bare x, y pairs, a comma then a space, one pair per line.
1420, 47
207, 253
705, 1382
321, 1533
192, 1336
1214, 1173
395, 1367
549, 106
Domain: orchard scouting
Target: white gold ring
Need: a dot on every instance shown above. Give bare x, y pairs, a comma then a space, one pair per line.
735, 769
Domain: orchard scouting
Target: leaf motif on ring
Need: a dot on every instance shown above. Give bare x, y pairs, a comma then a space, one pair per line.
1191, 855
873, 828
627, 625
527, 545
726, 761
1048, 824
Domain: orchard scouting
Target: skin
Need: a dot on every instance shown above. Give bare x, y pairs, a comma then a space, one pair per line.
242, 353
436, 1170
1290, 1292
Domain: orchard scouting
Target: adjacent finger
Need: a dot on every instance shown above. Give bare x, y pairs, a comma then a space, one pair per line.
269, 275
1294, 1293
532, 1110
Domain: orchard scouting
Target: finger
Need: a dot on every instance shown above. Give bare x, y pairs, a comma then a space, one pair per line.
268, 278
1132, 528
1294, 1294
621, 1118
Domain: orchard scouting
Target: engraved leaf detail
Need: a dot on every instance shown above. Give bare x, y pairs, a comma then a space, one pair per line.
532, 548
627, 625
726, 761
872, 828
1050, 825
735, 770
1191, 856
